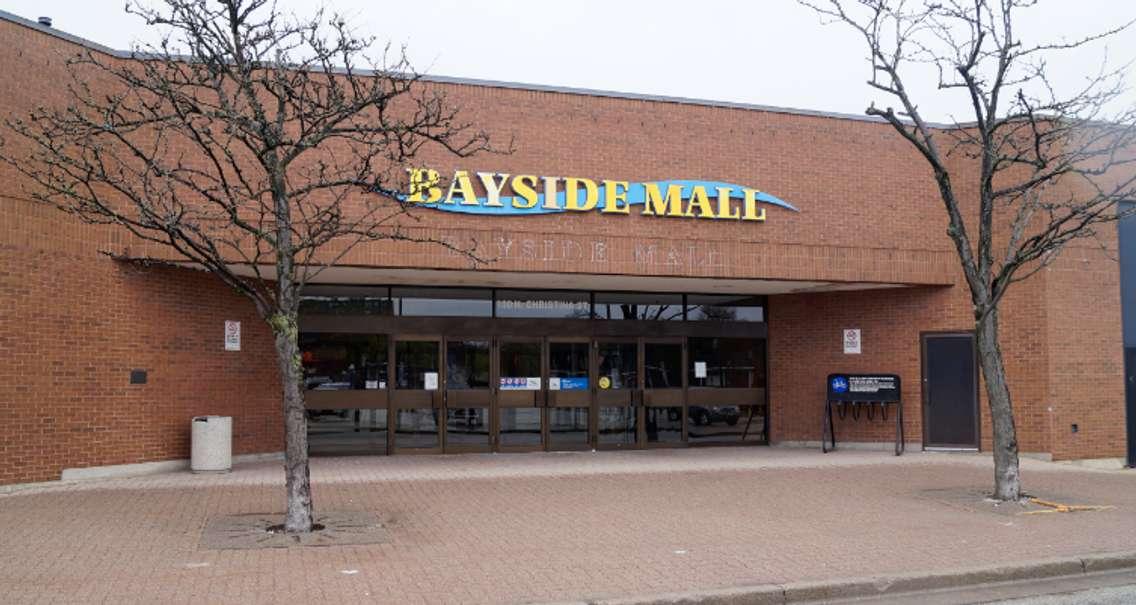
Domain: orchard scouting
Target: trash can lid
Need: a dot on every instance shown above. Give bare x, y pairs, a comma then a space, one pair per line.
206, 418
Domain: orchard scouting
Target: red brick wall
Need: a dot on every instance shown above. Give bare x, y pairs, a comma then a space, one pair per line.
805, 345
76, 322
1086, 355
76, 327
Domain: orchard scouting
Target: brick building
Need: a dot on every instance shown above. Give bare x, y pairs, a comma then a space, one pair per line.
585, 329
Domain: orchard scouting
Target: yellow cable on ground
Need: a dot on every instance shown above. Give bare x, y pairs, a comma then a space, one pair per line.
1057, 507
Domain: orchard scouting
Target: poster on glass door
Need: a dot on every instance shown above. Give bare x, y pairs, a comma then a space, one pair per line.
520, 383
574, 384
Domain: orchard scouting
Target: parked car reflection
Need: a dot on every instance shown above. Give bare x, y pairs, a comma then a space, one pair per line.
699, 415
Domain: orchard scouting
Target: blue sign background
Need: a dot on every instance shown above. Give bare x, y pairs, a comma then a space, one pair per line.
573, 384
839, 384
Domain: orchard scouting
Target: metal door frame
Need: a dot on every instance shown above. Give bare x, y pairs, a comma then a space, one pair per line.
635, 393
682, 389
540, 397
542, 331
490, 400
588, 341
436, 396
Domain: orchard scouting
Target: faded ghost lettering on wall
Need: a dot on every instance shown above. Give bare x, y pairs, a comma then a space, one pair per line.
596, 252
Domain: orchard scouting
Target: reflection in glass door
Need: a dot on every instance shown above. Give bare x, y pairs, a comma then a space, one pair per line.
726, 398
662, 392
617, 392
569, 395
520, 395
345, 377
467, 396
416, 398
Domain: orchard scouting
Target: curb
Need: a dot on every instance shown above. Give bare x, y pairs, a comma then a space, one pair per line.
883, 585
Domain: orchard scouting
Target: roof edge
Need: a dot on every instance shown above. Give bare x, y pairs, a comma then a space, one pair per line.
569, 90
51, 31
655, 98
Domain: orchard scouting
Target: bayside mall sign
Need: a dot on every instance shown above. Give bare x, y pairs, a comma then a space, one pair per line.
522, 194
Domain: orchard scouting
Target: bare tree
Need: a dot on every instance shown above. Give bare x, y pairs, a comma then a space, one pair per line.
1048, 166
257, 145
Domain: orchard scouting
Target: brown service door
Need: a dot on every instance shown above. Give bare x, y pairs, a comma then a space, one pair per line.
950, 391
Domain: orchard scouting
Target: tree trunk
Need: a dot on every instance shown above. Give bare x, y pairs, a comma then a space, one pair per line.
297, 482
1007, 481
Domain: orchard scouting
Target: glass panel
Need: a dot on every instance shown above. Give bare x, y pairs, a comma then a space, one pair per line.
467, 364
344, 361
727, 362
568, 427
568, 360
413, 361
537, 303
519, 426
729, 423
664, 425
618, 364
347, 432
443, 302
416, 427
728, 307
346, 300
616, 425
520, 366
467, 426
662, 365
643, 306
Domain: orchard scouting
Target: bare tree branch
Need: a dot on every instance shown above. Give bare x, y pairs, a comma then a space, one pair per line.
259, 146
1051, 167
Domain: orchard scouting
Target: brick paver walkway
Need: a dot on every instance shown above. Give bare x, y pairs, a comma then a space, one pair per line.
545, 527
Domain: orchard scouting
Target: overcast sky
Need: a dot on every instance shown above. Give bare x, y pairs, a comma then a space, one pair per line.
769, 52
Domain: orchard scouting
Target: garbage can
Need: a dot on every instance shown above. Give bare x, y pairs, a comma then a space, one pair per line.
211, 450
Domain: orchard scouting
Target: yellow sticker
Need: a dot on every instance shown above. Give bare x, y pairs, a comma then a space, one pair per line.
605, 382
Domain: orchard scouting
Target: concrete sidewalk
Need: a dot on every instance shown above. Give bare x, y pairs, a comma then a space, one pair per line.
552, 527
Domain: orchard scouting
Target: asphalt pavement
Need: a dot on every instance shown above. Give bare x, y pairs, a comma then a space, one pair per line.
1104, 588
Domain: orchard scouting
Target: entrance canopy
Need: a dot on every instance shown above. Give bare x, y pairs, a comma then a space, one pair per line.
342, 275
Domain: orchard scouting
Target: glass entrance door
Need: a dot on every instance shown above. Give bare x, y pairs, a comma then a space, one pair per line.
569, 394
520, 395
467, 395
618, 393
663, 392
416, 399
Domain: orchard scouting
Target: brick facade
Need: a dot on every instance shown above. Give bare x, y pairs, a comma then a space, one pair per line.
76, 322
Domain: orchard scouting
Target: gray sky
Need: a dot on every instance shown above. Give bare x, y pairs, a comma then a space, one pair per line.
769, 52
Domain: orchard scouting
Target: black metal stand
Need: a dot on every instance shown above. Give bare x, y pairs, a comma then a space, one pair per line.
828, 429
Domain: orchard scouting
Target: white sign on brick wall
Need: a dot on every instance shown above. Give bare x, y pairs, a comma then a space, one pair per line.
232, 336
852, 341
